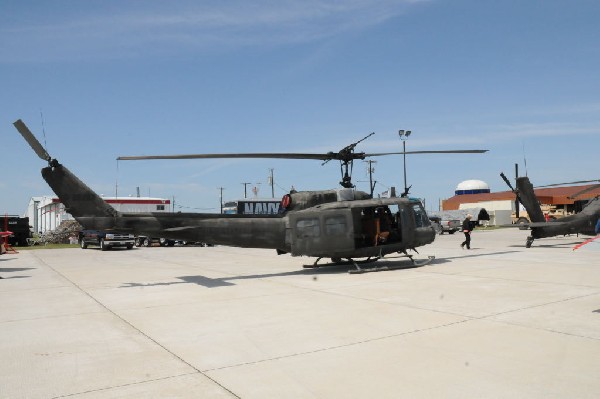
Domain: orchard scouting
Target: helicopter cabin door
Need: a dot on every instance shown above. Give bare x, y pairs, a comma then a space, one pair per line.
322, 232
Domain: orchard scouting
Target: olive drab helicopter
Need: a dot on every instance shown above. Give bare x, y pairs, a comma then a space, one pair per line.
345, 225
583, 222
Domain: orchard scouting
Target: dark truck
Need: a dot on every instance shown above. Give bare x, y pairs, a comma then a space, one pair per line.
19, 227
105, 239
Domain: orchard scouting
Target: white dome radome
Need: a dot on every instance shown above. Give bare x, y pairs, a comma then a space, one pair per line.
472, 187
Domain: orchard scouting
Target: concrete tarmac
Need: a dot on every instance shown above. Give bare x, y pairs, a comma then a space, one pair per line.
498, 321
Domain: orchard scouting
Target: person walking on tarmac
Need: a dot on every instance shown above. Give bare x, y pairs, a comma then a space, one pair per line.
466, 228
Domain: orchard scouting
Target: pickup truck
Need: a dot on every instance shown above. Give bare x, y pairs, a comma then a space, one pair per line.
450, 226
105, 239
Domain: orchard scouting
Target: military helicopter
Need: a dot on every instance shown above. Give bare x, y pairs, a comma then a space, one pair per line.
583, 222
343, 225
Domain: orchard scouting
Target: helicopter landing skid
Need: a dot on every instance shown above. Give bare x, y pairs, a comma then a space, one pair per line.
358, 270
339, 261
415, 263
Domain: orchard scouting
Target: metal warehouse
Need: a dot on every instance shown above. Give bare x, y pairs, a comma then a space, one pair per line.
46, 213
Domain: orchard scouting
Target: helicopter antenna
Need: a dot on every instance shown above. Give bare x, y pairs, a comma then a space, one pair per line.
43, 129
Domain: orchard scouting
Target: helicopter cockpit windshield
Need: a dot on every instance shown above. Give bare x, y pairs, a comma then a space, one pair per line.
421, 219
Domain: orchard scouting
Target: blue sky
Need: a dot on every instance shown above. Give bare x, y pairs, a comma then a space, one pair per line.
111, 78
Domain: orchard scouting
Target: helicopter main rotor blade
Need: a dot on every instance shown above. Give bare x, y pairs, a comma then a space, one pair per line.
33, 142
321, 157
341, 156
428, 152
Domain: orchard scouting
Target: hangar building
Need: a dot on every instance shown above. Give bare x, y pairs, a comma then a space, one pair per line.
555, 201
46, 213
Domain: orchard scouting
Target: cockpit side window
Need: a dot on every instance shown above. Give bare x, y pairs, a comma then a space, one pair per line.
308, 227
335, 225
421, 219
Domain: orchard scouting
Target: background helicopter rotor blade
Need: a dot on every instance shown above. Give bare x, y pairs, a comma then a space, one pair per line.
577, 194
428, 152
33, 142
568, 183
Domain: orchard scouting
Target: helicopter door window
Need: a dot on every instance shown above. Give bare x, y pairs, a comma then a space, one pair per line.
335, 225
308, 228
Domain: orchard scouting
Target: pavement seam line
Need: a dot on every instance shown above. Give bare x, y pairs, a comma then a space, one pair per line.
135, 328
488, 317
466, 320
122, 385
339, 346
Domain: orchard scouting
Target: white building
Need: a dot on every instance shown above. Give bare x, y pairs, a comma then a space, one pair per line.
47, 213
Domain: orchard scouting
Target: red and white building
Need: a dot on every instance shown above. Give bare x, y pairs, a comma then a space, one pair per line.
47, 213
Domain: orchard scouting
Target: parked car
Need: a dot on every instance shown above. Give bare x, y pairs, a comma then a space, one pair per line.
450, 226
105, 239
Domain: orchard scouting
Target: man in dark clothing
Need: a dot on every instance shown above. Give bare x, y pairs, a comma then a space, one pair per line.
466, 228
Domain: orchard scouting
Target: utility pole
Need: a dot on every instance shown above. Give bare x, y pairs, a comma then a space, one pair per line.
516, 198
245, 191
221, 188
272, 183
371, 182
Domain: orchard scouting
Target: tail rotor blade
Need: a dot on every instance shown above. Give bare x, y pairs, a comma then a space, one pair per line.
33, 142
515, 191
503, 176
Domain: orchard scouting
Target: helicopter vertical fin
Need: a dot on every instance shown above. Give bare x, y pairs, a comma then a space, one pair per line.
78, 198
529, 200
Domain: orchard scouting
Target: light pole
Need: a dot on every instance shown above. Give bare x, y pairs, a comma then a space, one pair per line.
403, 134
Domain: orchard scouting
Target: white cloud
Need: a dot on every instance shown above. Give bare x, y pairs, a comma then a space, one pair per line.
532, 130
158, 27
